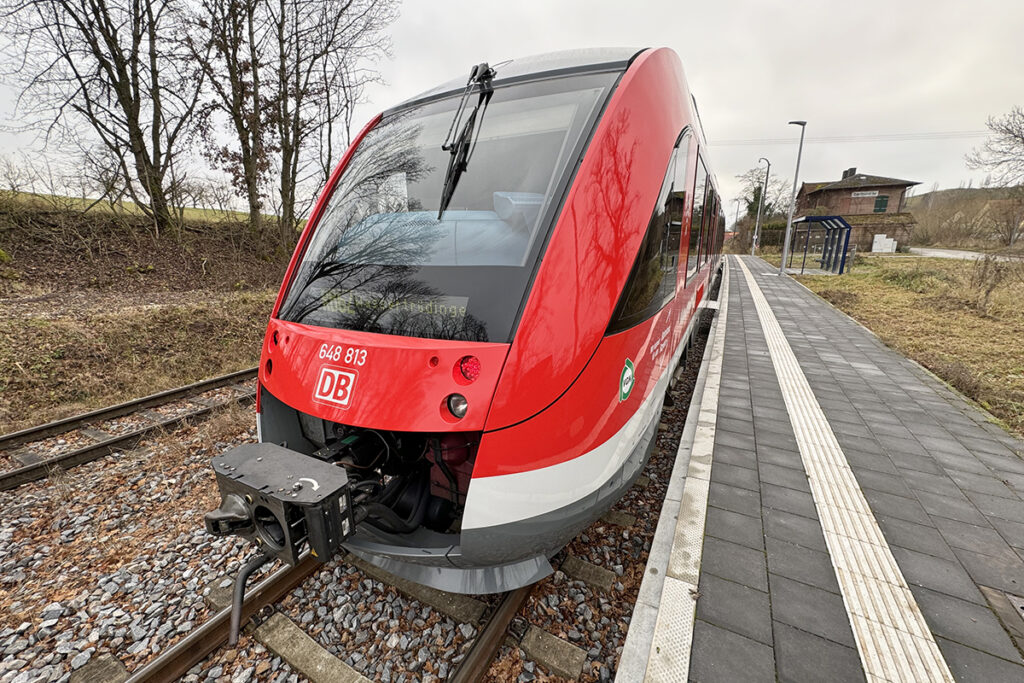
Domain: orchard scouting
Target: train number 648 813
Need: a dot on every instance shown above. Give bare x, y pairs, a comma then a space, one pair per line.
339, 352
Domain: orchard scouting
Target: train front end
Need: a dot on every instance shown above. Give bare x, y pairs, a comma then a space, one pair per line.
426, 384
389, 337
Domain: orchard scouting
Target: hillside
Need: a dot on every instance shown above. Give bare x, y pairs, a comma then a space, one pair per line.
96, 309
954, 196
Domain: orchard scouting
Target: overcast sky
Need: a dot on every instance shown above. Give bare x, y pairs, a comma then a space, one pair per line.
860, 69
867, 68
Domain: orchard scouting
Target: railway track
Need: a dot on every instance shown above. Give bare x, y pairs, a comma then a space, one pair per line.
502, 629
174, 662
199, 644
571, 610
33, 467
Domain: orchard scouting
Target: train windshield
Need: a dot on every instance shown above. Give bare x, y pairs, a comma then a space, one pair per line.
381, 260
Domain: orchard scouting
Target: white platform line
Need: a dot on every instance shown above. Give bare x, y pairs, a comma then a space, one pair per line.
669, 656
893, 639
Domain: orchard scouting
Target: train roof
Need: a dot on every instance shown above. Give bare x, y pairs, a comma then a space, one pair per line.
535, 66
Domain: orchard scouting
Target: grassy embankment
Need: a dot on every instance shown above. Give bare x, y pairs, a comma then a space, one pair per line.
52, 366
95, 309
935, 311
33, 201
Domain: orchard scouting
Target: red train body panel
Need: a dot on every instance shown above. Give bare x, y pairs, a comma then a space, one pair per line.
604, 217
490, 372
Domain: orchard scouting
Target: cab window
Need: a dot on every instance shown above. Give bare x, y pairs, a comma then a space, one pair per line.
652, 280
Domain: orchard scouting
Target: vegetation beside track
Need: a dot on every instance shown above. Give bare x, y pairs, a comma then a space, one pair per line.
56, 365
98, 308
963, 320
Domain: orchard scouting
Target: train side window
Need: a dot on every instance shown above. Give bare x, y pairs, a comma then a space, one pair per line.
697, 219
652, 280
709, 214
675, 208
720, 233
709, 226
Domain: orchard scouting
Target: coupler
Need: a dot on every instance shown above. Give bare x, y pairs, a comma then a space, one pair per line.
284, 502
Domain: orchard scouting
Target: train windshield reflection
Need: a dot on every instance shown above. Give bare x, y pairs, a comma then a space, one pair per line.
380, 260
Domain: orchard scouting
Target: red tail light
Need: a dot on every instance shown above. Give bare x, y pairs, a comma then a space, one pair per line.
469, 366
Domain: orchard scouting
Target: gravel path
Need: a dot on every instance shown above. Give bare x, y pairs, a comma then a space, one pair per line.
962, 254
376, 629
250, 662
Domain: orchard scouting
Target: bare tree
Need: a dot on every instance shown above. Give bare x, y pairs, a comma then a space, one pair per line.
1004, 218
951, 218
284, 75
1003, 153
774, 200
114, 66
228, 41
322, 48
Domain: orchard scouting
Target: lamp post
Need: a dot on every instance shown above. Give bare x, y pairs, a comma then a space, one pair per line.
764, 189
792, 199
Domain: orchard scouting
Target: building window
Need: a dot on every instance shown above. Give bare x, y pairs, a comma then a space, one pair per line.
881, 203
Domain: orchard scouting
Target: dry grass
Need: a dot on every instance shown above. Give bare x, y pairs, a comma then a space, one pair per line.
52, 367
44, 202
957, 318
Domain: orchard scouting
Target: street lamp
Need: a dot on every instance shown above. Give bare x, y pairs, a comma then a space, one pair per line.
792, 199
764, 189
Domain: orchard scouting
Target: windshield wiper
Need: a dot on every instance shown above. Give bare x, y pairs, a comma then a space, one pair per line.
464, 142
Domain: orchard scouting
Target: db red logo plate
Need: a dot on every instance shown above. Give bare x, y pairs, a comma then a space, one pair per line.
335, 386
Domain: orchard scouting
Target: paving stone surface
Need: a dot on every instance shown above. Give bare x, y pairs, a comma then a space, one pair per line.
944, 483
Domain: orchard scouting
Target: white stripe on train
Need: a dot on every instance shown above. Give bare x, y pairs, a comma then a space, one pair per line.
507, 498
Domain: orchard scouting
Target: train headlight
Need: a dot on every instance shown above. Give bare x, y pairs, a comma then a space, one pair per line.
457, 405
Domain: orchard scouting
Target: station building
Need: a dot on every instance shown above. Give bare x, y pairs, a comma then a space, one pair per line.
871, 204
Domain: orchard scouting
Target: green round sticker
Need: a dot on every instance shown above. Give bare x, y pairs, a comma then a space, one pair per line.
626, 380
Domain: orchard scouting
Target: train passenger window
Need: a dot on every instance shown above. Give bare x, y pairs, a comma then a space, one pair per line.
710, 211
652, 280
720, 234
696, 223
709, 227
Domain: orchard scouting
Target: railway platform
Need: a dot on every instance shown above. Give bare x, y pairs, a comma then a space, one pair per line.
835, 513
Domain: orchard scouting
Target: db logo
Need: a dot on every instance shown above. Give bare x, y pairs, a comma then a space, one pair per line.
335, 386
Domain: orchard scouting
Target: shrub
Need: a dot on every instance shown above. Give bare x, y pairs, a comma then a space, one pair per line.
989, 274
916, 279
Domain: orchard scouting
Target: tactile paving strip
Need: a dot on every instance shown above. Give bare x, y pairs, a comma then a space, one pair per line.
893, 640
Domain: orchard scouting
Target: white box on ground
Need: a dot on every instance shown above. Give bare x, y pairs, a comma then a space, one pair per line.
882, 243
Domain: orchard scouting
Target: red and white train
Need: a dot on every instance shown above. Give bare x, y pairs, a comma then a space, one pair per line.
479, 324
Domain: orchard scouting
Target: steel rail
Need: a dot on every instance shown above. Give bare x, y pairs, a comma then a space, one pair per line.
69, 423
474, 667
94, 451
175, 661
